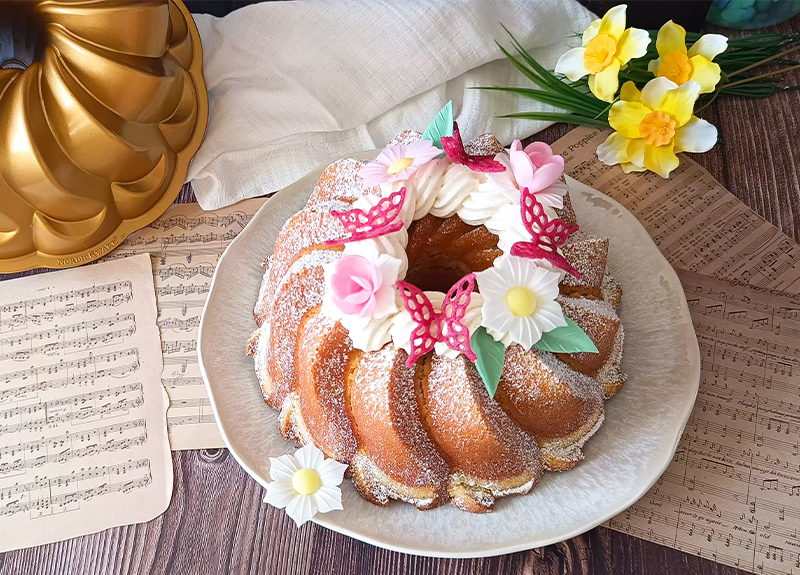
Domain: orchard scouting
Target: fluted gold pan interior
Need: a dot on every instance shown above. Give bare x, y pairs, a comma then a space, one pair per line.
102, 106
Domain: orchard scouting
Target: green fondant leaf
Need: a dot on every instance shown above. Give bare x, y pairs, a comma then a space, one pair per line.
491, 355
442, 126
568, 339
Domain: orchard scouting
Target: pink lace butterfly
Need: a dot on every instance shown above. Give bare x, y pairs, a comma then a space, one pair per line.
547, 234
433, 326
454, 148
381, 219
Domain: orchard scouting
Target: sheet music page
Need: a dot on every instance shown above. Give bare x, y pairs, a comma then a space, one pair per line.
696, 223
185, 245
83, 435
732, 491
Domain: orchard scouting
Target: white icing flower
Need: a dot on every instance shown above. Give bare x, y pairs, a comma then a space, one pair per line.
519, 300
305, 483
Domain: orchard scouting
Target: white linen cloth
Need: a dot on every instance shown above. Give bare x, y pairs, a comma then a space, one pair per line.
294, 85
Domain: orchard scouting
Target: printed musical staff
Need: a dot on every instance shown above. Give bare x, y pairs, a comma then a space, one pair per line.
83, 436
697, 224
185, 245
732, 491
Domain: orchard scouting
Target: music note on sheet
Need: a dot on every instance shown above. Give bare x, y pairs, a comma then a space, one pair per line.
697, 224
733, 487
185, 245
83, 435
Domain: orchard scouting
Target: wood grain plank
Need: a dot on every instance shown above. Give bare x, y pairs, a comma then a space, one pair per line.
217, 522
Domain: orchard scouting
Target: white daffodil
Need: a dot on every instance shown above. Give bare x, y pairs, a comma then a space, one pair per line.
519, 301
305, 483
607, 46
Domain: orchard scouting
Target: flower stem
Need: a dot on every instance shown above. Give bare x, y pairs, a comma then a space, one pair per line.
711, 99
759, 77
764, 61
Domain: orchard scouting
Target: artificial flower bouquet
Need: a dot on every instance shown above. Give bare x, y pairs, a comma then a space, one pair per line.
662, 86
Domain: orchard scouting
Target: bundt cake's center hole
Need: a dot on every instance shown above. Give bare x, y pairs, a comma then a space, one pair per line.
21, 39
442, 251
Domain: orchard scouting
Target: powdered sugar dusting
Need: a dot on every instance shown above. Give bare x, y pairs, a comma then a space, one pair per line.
340, 181
474, 434
388, 424
301, 290
324, 356
484, 145
612, 291
588, 254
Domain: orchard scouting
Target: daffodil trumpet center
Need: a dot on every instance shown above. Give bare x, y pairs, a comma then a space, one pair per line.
400, 165
657, 128
676, 66
521, 301
599, 53
306, 481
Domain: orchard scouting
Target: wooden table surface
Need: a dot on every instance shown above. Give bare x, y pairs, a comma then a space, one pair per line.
217, 522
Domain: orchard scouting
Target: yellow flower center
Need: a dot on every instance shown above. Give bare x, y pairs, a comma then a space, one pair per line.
305, 481
599, 53
521, 301
657, 128
400, 165
677, 67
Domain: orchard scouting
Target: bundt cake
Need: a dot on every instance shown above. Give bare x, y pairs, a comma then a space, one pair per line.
97, 130
436, 322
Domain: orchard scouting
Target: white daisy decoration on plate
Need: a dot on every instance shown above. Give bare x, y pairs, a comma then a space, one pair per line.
519, 300
305, 483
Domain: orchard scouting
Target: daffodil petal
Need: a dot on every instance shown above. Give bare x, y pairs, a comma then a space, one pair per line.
660, 159
591, 32
695, 136
632, 44
705, 72
571, 64
653, 66
613, 23
679, 103
709, 45
625, 117
671, 38
636, 152
614, 150
654, 90
630, 93
604, 84
628, 168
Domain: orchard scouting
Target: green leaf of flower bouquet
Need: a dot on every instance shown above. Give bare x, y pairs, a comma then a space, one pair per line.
568, 339
491, 355
442, 126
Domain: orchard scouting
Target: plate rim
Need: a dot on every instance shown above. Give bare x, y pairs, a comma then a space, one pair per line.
695, 368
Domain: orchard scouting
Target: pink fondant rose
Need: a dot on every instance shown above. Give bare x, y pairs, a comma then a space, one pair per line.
359, 287
535, 168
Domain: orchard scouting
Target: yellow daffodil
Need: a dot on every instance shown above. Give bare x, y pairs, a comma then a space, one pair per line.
652, 125
680, 65
606, 47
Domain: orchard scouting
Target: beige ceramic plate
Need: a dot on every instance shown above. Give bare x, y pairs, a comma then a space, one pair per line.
643, 422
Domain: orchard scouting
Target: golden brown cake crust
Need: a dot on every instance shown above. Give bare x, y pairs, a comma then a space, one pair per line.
430, 433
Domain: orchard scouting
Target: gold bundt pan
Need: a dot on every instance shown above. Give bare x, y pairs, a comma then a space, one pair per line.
97, 133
